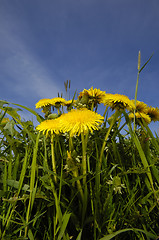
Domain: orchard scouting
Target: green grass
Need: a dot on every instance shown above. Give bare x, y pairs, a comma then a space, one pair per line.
107, 188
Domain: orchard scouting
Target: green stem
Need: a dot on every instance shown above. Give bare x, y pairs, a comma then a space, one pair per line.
116, 114
137, 83
53, 157
79, 187
75, 170
84, 171
84, 163
57, 205
92, 106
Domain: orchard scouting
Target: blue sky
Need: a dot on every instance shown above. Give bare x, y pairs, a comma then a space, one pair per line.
91, 42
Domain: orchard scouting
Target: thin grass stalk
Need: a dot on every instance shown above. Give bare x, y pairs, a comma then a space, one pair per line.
57, 214
5, 176
106, 109
79, 186
75, 170
58, 210
141, 153
61, 175
137, 83
38, 117
15, 169
90, 187
84, 163
91, 197
152, 138
4, 190
45, 164
10, 165
21, 123
57, 217
32, 183
8, 217
23, 171
84, 172
97, 191
117, 113
53, 157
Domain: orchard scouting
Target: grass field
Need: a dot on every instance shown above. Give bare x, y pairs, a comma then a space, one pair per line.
80, 174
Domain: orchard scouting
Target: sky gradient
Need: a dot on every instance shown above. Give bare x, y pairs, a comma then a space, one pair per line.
91, 42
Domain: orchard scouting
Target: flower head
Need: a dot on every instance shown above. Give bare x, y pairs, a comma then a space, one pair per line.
140, 116
57, 101
118, 101
49, 126
69, 102
43, 103
153, 113
140, 106
80, 121
95, 94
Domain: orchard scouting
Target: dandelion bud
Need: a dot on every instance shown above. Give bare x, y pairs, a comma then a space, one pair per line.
52, 116
139, 60
84, 99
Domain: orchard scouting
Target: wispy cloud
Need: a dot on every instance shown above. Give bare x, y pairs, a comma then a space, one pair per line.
23, 71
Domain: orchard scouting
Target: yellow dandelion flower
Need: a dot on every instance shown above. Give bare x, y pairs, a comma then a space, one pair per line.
140, 106
49, 126
140, 116
118, 101
95, 94
57, 101
43, 103
153, 113
80, 121
69, 102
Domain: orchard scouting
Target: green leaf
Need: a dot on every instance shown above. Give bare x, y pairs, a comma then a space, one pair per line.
79, 235
30, 235
145, 63
64, 225
15, 184
112, 235
10, 127
2, 102
38, 117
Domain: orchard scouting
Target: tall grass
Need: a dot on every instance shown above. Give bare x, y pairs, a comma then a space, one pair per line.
102, 185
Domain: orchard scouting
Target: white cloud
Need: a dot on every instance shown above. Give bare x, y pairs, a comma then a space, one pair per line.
22, 69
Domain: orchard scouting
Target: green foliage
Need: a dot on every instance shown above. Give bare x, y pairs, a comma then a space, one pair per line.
117, 197
102, 185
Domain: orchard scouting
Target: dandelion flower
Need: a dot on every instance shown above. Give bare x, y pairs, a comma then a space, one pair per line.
140, 116
95, 94
80, 121
153, 113
49, 126
140, 106
57, 101
69, 102
118, 101
43, 103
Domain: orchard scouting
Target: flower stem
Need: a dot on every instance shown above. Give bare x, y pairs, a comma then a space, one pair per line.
84, 171
84, 164
116, 114
53, 157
